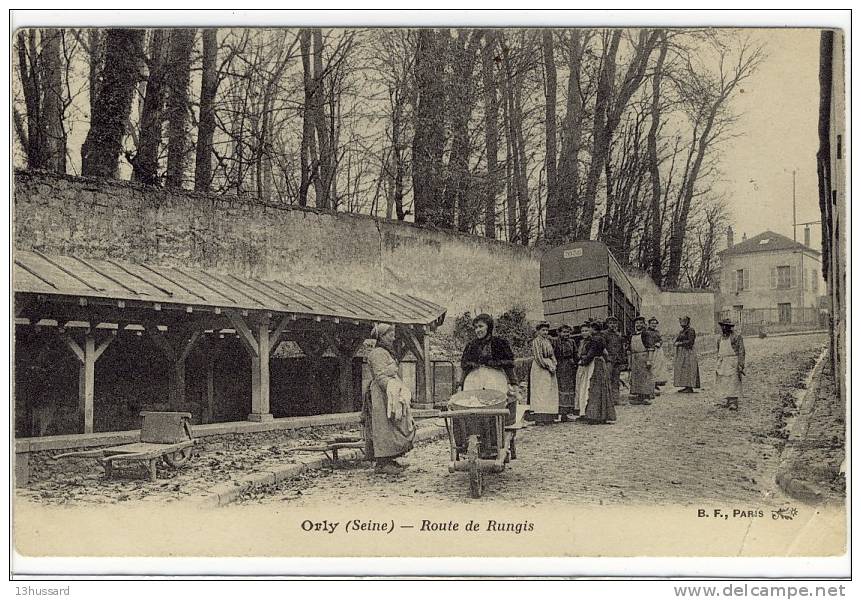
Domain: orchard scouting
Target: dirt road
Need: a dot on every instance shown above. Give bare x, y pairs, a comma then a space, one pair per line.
681, 450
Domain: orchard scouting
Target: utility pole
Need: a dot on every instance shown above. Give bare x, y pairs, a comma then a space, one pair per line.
793, 207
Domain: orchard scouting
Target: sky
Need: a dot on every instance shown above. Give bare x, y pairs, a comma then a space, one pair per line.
779, 123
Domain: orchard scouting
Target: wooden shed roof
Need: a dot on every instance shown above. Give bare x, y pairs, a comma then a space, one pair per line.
73, 276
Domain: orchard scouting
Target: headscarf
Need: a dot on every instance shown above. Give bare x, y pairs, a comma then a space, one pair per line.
381, 329
487, 320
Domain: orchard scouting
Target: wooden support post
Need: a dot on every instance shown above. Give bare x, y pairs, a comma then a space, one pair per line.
176, 346
87, 356
260, 375
209, 408
85, 401
419, 345
258, 349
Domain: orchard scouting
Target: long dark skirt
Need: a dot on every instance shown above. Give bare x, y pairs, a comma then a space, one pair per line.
686, 370
600, 407
566, 374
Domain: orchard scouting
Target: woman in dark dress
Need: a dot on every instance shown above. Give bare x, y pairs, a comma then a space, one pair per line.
593, 378
686, 369
565, 349
487, 361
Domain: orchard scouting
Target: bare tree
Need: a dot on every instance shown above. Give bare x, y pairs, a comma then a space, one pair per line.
145, 164
178, 73
609, 105
429, 122
491, 130
206, 124
707, 97
120, 74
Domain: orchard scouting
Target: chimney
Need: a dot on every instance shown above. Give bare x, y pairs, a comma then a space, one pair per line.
807, 235
729, 240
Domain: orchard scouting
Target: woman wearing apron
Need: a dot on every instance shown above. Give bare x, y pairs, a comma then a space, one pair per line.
730, 366
642, 347
543, 386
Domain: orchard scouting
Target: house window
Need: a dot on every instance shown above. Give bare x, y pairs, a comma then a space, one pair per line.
784, 277
742, 279
784, 313
814, 281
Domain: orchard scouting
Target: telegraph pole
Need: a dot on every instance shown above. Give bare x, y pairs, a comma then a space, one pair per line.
793, 207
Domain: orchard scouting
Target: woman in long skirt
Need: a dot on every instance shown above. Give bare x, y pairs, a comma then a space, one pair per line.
565, 351
642, 349
686, 367
543, 386
659, 359
593, 378
386, 409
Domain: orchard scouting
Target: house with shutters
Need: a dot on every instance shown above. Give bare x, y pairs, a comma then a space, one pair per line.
770, 279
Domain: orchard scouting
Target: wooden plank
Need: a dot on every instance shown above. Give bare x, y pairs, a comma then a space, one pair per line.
104, 345
275, 336
260, 375
73, 346
245, 336
34, 273
54, 263
88, 372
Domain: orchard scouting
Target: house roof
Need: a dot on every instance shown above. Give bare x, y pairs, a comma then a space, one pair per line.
150, 285
767, 241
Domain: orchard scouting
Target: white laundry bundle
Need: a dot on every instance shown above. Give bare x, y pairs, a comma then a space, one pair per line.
398, 398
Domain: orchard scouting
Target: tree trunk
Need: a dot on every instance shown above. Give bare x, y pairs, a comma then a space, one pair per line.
321, 126
54, 134
456, 194
656, 232
32, 140
568, 172
520, 164
491, 132
206, 126
551, 214
177, 78
680, 225
145, 163
308, 160
104, 143
429, 137
600, 137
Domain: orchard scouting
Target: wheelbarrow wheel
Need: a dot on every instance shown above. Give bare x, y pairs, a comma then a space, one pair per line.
476, 478
178, 458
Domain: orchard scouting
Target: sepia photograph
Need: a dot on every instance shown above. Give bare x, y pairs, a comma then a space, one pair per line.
478, 289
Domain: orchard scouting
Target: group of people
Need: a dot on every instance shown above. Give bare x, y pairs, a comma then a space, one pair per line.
573, 373
580, 375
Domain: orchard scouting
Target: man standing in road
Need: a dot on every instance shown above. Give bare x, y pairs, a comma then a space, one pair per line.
730, 365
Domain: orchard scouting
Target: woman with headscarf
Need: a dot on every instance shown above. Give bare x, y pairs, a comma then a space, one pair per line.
543, 386
487, 361
686, 368
565, 350
386, 409
593, 381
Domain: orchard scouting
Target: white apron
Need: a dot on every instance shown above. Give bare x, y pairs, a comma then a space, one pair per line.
584, 378
727, 379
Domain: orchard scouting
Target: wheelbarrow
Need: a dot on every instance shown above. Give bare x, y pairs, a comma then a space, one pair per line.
164, 436
481, 438
333, 445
